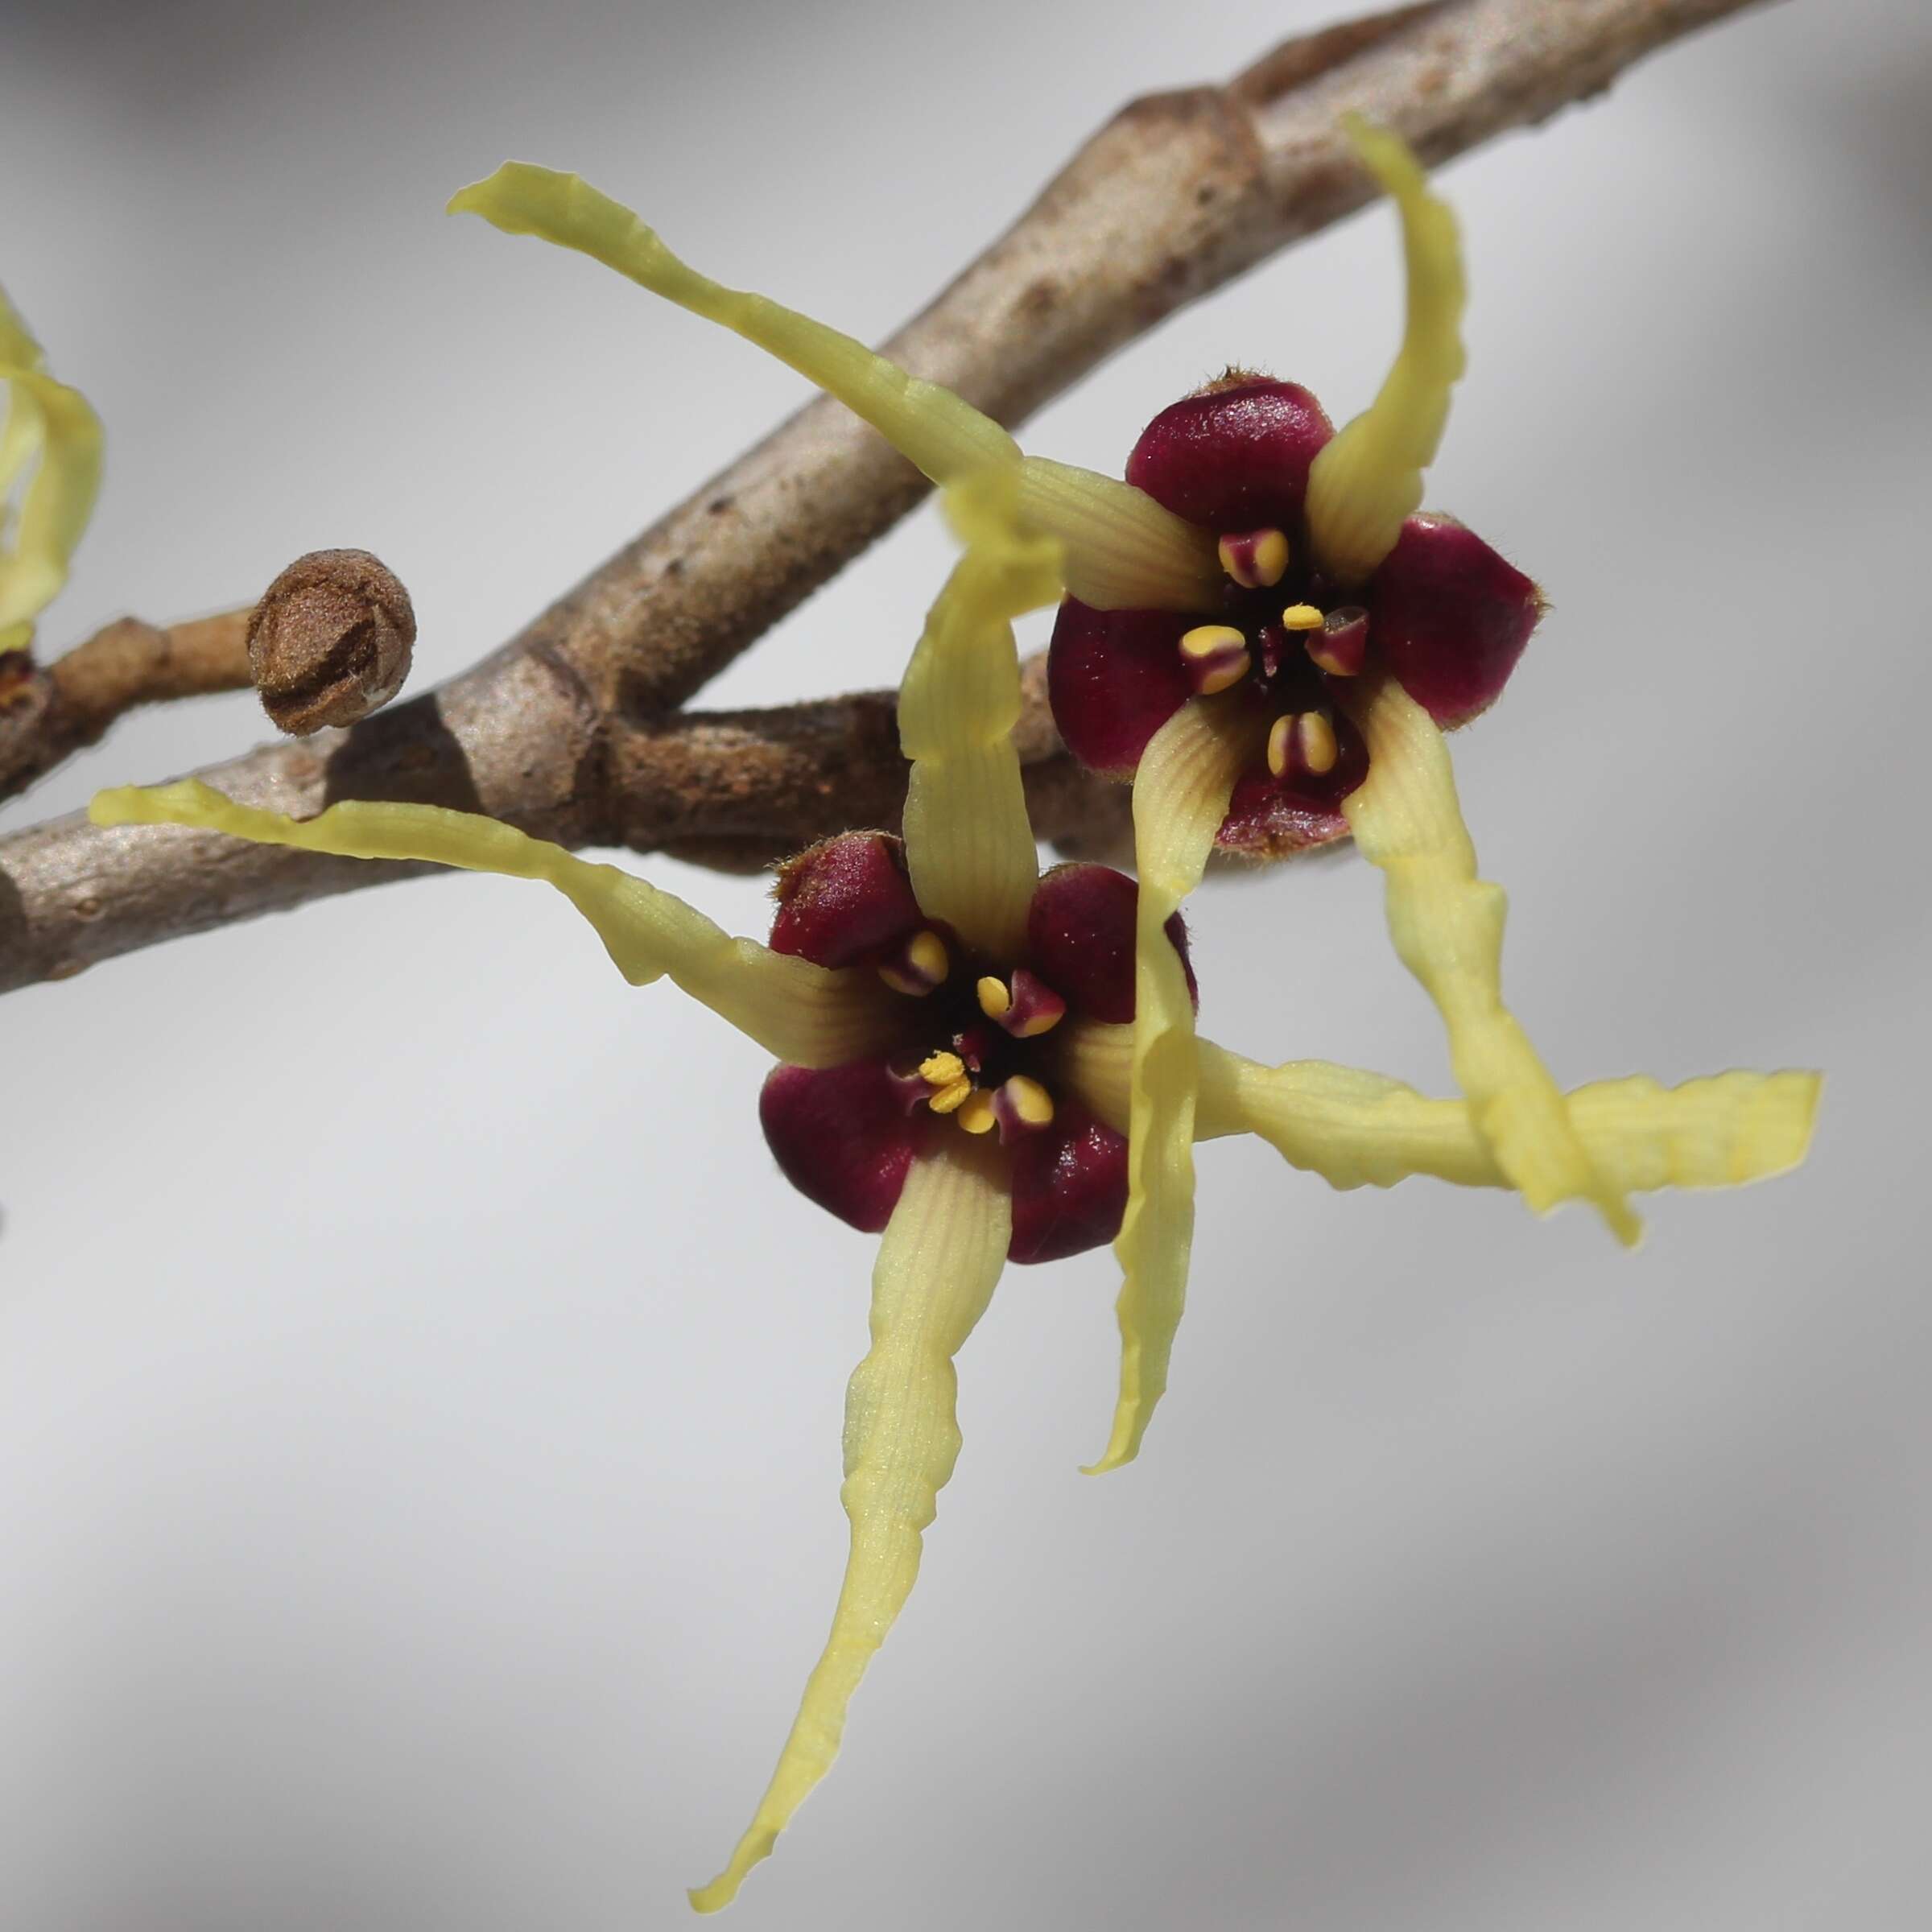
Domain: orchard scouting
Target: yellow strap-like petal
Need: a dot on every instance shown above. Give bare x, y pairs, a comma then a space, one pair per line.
1123, 549
969, 843
1356, 1129
798, 1012
1369, 478
1180, 797
939, 1262
48, 420
1447, 925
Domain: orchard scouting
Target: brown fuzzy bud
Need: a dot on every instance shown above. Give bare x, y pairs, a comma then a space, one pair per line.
330, 641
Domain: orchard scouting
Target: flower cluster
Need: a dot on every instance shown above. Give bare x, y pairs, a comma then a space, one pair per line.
981, 1063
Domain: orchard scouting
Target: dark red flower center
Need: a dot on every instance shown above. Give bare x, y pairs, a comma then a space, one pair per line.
974, 1043
1442, 612
976, 1048
1282, 632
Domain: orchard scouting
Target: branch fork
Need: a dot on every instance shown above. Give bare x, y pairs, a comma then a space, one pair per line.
576, 729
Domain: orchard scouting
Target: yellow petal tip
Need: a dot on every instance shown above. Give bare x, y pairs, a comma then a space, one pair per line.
720, 1892
114, 807
1131, 1416
1787, 1120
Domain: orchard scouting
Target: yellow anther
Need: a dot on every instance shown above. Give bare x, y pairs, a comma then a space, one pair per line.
1028, 1100
1224, 676
1257, 561
994, 998
950, 1100
1319, 749
942, 1069
927, 953
975, 1111
920, 967
1301, 617
1299, 741
1206, 640
1043, 1021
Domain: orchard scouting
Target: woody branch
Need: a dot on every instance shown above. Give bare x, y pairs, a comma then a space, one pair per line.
571, 730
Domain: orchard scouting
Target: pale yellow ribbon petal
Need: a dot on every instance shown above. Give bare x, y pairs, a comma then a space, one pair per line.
969, 845
1369, 477
798, 1012
1123, 549
1180, 797
1447, 925
939, 1260
48, 420
1356, 1128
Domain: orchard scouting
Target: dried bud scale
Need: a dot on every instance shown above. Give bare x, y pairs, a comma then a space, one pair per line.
330, 642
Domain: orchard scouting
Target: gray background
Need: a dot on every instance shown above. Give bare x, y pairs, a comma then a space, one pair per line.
418, 1400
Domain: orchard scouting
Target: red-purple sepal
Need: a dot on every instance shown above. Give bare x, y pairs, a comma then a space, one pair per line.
1113, 679
842, 1136
845, 900
1268, 820
1450, 618
1069, 1187
1079, 940
1234, 459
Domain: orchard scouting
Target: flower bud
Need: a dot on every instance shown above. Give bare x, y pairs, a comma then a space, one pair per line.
330, 641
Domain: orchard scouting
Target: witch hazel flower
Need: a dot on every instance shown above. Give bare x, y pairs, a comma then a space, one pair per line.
958, 1040
1260, 634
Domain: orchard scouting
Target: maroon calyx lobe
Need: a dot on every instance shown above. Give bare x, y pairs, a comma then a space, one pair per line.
841, 1136
1451, 618
846, 1135
1235, 458
1080, 933
1444, 612
846, 900
1069, 1187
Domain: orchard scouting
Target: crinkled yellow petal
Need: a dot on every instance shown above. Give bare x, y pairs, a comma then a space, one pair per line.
1180, 797
1123, 549
1356, 1129
1366, 480
798, 1012
939, 1262
969, 845
1447, 925
48, 420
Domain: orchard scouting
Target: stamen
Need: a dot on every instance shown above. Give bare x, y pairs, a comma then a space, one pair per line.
1034, 1009
1215, 656
1205, 640
919, 966
907, 1084
994, 998
975, 1112
1302, 616
942, 1069
1342, 643
1256, 559
950, 1100
1023, 1106
1302, 741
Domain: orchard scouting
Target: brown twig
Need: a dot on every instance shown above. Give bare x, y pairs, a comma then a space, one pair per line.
1176, 194
48, 713
734, 789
